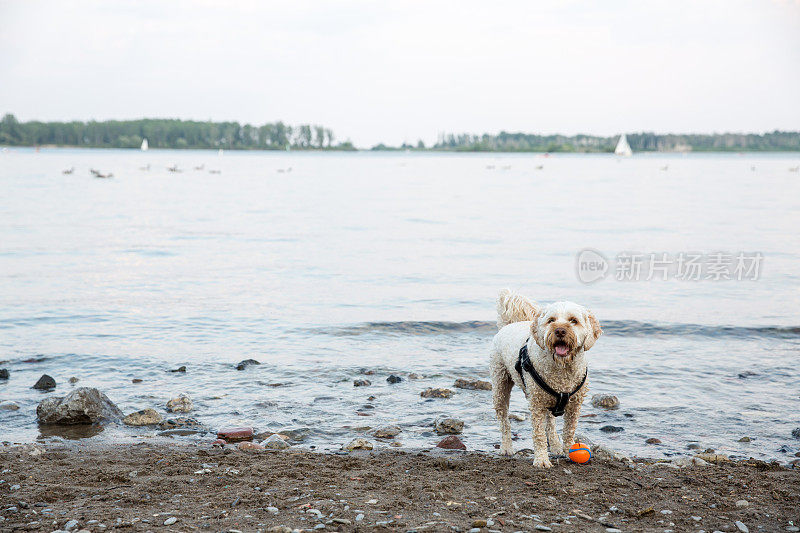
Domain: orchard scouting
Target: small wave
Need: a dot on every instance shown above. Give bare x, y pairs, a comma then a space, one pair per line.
616, 328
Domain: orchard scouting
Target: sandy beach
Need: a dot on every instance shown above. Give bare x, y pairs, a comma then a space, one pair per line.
178, 487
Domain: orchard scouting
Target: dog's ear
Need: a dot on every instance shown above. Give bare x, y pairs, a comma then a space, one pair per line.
536, 332
595, 332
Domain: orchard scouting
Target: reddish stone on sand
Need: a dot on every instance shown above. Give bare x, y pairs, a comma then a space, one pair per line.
219, 442
235, 434
250, 446
451, 442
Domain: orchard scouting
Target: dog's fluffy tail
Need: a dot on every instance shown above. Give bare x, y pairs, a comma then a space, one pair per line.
513, 307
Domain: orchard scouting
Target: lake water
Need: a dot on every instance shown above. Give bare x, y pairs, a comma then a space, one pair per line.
391, 262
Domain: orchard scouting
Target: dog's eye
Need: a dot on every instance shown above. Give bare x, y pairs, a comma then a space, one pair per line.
573, 320
551, 319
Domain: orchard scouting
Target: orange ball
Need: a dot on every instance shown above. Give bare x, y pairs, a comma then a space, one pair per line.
579, 453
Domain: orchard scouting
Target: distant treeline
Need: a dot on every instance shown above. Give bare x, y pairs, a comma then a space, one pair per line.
168, 133
640, 142
173, 133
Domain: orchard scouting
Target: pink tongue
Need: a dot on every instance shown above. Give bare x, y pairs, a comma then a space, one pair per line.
561, 349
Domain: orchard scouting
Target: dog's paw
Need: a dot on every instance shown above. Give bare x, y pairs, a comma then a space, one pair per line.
556, 447
506, 450
542, 462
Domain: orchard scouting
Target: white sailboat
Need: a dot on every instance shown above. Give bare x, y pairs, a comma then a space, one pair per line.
145, 146
623, 148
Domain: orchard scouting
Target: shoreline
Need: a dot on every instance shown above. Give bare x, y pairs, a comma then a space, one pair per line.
143, 486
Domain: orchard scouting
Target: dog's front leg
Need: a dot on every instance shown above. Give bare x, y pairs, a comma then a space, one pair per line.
553, 440
571, 415
539, 423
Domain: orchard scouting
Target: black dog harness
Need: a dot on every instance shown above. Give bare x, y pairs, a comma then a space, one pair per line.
524, 365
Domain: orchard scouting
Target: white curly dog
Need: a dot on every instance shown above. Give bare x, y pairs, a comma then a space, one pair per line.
541, 350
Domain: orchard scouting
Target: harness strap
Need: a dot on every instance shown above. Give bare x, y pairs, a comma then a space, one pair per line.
562, 398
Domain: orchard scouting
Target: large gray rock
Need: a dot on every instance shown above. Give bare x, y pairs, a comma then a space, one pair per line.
84, 405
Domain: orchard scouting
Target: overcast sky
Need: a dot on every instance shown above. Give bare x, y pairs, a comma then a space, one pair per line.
399, 71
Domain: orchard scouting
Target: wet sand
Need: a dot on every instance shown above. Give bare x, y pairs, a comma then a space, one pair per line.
139, 487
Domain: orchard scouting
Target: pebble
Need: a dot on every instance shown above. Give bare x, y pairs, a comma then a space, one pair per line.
652, 440
540, 527
612, 429
275, 442
448, 426
475, 530
3, 373
247, 362
361, 383
248, 446
517, 417
232, 434
344, 521
45, 383
792, 528
742, 503
479, 523
181, 404
169, 521
358, 444
319, 526
179, 369
741, 527
136, 380
613, 530
451, 442
72, 524
666, 511
796, 433
693, 447
388, 432
145, 417
605, 401
745, 439
273, 510
472, 384
394, 379
359, 517
9, 407
73, 380
436, 393
697, 518
715, 458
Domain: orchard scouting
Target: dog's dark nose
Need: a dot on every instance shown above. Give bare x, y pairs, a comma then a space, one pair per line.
560, 332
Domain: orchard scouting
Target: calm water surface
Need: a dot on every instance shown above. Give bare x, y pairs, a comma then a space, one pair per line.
391, 262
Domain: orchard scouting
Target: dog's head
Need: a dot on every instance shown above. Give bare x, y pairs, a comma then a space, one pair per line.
565, 329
